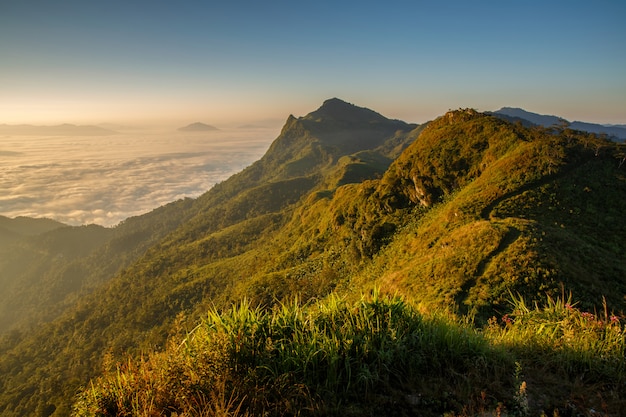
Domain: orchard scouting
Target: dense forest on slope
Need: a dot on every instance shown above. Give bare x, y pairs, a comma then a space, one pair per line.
456, 216
46, 267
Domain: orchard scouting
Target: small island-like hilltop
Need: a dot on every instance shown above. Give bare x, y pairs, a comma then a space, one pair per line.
197, 127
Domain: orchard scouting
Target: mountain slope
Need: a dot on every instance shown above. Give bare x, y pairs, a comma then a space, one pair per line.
525, 212
45, 267
475, 208
193, 265
296, 162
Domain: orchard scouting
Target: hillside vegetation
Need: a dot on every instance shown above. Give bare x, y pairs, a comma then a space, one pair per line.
375, 356
456, 227
46, 266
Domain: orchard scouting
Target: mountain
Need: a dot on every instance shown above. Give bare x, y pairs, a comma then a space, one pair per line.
618, 132
227, 221
457, 216
516, 114
57, 130
45, 266
197, 127
534, 118
14, 230
26, 226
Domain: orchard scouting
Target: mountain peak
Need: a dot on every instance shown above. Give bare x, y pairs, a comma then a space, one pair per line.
337, 109
336, 103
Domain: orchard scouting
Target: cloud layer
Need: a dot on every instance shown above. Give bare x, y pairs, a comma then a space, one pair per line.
104, 180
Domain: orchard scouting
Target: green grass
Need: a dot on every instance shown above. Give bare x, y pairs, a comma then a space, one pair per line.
375, 355
571, 340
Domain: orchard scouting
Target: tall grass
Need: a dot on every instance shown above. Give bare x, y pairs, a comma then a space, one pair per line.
376, 355
568, 339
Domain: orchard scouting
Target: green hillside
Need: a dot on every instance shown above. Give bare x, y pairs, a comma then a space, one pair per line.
46, 267
467, 220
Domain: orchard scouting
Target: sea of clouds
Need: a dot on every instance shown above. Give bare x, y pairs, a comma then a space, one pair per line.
106, 179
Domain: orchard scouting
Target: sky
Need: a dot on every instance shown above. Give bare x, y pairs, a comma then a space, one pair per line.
229, 62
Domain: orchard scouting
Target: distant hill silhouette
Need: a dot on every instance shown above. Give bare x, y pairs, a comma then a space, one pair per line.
516, 114
198, 127
57, 130
612, 131
27, 226
534, 118
14, 229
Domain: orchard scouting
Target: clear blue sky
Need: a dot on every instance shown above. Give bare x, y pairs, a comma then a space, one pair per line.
234, 61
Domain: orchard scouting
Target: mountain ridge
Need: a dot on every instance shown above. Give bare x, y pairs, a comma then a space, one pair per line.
612, 131
25, 226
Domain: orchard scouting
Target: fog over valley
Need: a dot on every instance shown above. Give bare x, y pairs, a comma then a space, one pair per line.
106, 179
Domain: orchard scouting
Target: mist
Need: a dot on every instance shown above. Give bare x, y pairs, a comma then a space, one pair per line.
105, 179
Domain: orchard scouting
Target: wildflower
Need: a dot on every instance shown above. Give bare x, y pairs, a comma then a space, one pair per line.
614, 319
569, 306
507, 320
587, 315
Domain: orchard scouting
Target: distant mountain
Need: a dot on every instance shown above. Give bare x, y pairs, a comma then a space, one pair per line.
16, 228
198, 127
618, 132
26, 226
57, 130
535, 118
516, 114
